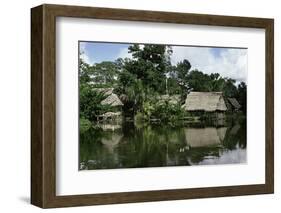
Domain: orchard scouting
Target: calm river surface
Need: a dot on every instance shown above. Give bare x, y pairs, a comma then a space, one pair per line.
109, 146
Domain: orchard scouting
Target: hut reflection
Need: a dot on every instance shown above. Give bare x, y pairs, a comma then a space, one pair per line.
109, 126
200, 137
112, 141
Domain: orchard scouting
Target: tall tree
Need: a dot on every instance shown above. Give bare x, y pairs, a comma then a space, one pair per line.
198, 81
242, 96
217, 82
149, 64
105, 73
181, 74
229, 89
84, 71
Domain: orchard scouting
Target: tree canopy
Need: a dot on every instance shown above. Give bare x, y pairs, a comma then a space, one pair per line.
138, 80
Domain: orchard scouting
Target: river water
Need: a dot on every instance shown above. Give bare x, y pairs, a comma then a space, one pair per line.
127, 145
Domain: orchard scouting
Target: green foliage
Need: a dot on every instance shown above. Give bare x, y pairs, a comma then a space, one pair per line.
173, 87
198, 81
217, 82
229, 89
85, 124
182, 70
90, 102
143, 75
148, 109
161, 111
105, 72
147, 75
242, 96
84, 72
168, 112
149, 65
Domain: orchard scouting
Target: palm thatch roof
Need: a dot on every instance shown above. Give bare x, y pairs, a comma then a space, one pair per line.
205, 101
234, 103
111, 99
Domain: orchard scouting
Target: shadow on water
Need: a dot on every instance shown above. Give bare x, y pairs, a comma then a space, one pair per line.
128, 145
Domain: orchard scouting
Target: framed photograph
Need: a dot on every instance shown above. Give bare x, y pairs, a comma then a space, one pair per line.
136, 106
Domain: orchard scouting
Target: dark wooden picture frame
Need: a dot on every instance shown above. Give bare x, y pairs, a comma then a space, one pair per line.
43, 105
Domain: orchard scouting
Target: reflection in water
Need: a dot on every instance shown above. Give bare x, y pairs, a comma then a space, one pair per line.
112, 127
198, 137
231, 156
112, 141
130, 146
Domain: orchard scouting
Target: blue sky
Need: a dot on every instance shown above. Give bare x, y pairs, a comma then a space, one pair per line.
217, 51
229, 62
98, 52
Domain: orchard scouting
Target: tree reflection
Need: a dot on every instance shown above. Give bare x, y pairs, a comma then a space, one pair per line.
137, 146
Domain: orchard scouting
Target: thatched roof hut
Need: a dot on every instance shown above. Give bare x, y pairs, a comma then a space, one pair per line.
111, 99
205, 101
234, 103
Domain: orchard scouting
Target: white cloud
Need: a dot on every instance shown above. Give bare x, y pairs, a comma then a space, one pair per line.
86, 59
123, 53
230, 63
84, 55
